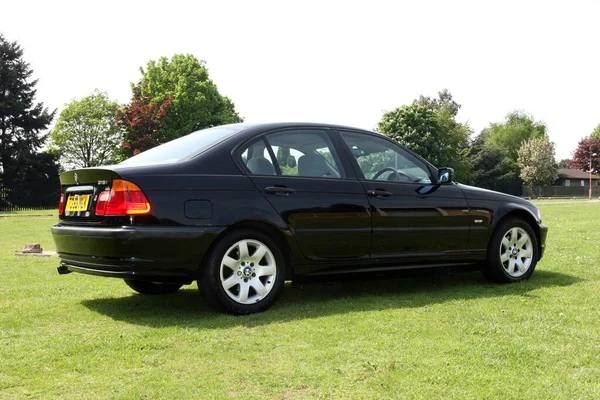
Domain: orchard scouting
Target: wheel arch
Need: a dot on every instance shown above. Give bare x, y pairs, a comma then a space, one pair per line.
281, 238
525, 215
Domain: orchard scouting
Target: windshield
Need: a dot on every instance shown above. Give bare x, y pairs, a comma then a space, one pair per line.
183, 147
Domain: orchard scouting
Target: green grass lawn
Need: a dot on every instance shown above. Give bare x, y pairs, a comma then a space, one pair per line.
28, 213
433, 336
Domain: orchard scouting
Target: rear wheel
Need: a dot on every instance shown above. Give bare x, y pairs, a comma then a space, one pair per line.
512, 252
244, 273
145, 287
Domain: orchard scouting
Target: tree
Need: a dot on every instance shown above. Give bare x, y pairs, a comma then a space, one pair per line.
596, 132
517, 128
564, 163
196, 102
584, 153
36, 184
39, 183
444, 100
415, 127
455, 137
86, 134
428, 127
142, 122
21, 119
283, 153
536, 161
492, 169
456, 134
494, 152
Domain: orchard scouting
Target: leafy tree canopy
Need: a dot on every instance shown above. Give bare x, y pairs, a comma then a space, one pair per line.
21, 119
429, 127
37, 182
444, 100
455, 138
142, 123
596, 132
86, 134
517, 128
536, 161
492, 168
415, 127
283, 153
584, 153
196, 102
564, 163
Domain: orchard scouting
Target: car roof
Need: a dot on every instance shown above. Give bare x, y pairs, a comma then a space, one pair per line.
276, 125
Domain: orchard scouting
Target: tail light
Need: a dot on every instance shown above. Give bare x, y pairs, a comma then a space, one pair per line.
61, 204
124, 198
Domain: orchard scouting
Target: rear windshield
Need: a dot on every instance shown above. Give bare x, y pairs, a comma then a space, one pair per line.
183, 147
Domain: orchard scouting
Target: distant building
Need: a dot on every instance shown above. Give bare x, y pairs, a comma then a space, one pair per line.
574, 178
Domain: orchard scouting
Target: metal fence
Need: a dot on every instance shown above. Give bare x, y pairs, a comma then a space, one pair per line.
561, 191
20, 201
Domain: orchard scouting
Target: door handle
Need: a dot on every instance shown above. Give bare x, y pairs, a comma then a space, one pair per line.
379, 193
280, 190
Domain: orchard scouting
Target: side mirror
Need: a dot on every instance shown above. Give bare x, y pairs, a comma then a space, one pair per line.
445, 175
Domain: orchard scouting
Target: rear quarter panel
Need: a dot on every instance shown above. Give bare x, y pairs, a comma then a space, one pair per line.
202, 200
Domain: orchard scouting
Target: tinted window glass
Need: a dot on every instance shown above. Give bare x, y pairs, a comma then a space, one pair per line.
287, 159
381, 160
183, 147
257, 159
305, 152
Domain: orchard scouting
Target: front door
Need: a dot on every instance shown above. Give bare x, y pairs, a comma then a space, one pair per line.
412, 219
301, 175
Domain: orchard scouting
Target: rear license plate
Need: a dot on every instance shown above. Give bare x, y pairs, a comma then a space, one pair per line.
77, 202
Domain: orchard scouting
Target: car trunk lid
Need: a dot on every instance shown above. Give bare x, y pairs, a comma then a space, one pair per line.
80, 190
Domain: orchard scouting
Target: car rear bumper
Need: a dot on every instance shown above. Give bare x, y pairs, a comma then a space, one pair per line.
169, 253
543, 235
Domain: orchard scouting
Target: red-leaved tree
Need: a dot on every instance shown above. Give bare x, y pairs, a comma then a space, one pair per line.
142, 122
585, 152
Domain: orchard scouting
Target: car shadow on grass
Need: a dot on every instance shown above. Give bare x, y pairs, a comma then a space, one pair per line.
186, 308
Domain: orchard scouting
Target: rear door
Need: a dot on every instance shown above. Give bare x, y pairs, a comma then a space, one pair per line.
412, 219
302, 176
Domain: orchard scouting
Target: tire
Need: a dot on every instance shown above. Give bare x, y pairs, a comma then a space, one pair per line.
512, 252
145, 287
243, 274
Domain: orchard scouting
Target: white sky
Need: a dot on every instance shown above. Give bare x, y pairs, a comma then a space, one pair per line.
341, 62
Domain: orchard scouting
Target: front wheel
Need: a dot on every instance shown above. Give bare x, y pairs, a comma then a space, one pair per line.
145, 287
512, 252
243, 274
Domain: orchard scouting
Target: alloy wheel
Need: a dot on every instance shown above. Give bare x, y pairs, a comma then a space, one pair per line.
248, 271
516, 252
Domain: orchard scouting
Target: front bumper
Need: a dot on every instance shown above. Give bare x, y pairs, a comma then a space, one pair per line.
543, 235
166, 253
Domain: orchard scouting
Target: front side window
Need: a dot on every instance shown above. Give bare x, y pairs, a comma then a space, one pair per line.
381, 160
305, 152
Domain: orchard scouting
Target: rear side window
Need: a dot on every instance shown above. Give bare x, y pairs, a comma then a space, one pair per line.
184, 147
305, 152
257, 159
301, 152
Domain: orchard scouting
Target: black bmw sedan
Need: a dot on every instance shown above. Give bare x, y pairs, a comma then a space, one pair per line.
242, 208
